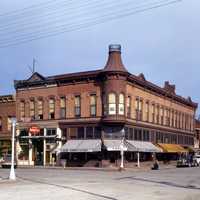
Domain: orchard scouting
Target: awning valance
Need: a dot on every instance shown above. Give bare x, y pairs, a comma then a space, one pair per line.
38, 137
172, 148
81, 146
142, 146
116, 145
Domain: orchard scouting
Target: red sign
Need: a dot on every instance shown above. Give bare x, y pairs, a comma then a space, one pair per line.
34, 130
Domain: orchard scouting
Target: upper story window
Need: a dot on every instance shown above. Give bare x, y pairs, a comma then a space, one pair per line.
111, 104
138, 108
147, 110
153, 112
121, 104
0, 123
167, 117
157, 114
172, 120
22, 110
162, 116
62, 107
9, 123
175, 117
129, 106
52, 108
40, 109
77, 106
32, 109
93, 104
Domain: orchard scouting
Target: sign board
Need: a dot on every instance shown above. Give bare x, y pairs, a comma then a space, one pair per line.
34, 130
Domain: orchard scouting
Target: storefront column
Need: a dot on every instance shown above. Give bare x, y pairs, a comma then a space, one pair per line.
138, 159
44, 147
59, 135
30, 153
17, 145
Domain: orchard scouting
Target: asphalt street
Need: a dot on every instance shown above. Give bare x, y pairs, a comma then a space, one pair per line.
52, 184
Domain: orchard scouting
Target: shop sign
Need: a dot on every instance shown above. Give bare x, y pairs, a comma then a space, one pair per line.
34, 130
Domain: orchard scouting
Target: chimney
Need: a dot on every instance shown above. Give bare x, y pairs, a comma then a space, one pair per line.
169, 87
114, 62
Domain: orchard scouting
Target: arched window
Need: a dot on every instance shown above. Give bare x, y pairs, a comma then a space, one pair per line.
52, 108
121, 104
111, 104
0, 123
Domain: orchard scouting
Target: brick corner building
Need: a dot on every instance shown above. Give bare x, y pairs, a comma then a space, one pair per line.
7, 111
82, 117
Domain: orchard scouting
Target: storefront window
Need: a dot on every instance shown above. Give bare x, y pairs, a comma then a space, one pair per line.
80, 132
89, 132
51, 132
126, 133
97, 132
73, 133
146, 135
131, 136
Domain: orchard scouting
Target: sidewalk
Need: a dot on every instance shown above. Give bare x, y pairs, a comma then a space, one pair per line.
143, 167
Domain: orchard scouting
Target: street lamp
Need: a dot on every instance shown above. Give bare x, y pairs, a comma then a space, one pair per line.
122, 148
12, 169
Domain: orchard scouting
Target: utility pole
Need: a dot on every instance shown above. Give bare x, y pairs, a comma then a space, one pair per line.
122, 148
32, 69
12, 169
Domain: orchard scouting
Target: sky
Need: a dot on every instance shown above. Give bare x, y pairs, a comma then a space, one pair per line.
162, 43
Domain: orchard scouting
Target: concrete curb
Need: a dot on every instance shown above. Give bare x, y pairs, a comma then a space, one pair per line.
141, 169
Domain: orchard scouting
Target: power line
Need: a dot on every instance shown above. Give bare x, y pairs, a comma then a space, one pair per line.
57, 19
41, 31
85, 25
20, 11
57, 13
73, 27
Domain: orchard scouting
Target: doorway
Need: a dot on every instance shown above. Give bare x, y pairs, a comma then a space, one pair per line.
38, 151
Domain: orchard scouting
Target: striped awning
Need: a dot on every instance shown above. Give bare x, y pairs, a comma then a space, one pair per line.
116, 145
172, 148
81, 146
142, 146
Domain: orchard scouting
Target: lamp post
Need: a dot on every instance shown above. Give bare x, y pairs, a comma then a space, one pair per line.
12, 169
122, 150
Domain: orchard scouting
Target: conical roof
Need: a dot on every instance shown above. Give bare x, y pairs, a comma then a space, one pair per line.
114, 62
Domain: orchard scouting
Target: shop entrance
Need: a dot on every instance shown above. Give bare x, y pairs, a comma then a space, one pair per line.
38, 151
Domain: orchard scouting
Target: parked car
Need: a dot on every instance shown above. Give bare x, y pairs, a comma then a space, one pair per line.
196, 159
6, 162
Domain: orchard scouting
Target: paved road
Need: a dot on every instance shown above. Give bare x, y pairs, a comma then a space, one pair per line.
51, 184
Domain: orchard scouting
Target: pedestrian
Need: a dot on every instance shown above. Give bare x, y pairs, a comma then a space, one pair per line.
155, 165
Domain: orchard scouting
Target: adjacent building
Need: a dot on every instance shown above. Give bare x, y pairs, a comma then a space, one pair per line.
84, 116
7, 112
197, 134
